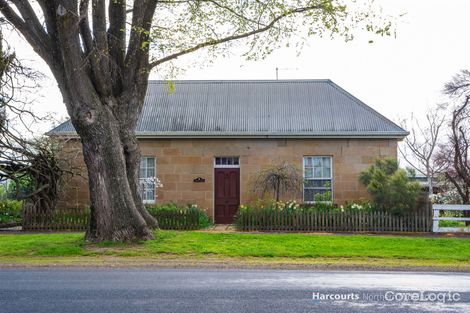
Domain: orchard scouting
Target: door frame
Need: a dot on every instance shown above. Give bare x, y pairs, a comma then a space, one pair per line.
213, 178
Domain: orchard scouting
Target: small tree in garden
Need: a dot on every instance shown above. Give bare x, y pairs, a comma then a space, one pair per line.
390, 187
281, 179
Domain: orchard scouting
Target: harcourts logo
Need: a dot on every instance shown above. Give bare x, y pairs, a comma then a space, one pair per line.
318, 296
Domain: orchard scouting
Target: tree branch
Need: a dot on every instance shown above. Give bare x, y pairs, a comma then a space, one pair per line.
117, 32
214, 42
39, 41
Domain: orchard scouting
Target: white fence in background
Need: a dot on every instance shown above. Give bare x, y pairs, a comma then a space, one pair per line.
449, 207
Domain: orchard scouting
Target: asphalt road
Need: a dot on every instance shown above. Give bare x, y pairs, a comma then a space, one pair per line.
194, 290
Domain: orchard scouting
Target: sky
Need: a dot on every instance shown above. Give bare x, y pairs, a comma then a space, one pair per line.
395, 76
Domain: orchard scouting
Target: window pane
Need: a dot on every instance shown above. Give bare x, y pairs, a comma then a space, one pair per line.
142, 173
151, 172
151, 162
227, 161
308, 195
326, 172
309, 173
150, 194
318, 183
308, 161
317, 162
326, 161
317, 172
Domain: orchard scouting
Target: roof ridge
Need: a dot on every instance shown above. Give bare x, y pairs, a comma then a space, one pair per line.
159, 81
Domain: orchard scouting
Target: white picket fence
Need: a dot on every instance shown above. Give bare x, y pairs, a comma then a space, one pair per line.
449, 207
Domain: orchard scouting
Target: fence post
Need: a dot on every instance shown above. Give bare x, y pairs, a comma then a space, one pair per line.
435, 220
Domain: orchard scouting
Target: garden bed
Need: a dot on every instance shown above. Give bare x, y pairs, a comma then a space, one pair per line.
169, 216
322, 217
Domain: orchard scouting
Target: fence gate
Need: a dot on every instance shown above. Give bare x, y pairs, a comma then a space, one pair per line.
449, 207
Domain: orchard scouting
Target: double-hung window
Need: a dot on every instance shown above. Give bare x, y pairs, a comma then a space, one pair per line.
147, 179
318, 179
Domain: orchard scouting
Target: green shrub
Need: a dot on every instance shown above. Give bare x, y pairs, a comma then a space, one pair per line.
390, 187
3, 192
264, 212
23, 187
10, 211
172, 209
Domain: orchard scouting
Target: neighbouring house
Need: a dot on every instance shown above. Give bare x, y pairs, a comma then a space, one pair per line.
205, 141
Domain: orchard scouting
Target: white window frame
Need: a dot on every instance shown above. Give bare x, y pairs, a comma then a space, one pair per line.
149, 201
226, 165
323, 178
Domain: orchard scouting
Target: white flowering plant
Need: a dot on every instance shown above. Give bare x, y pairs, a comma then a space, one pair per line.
292, 206
363, 206
150, 183
450, 196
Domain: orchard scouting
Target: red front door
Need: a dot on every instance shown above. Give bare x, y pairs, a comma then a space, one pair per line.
227, 194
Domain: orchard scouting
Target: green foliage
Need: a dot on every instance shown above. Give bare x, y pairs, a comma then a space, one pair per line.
22, 187
323, 197
3, 192
450, 223
390, 187
258, 26
10, 211
169, 208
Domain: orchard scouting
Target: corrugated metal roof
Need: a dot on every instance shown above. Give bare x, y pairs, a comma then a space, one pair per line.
277, 108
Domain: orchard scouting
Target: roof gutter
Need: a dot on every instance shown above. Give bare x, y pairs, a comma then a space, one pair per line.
202, 135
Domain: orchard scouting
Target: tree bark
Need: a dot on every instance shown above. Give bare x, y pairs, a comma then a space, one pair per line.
132, 157
117, 212
104, 109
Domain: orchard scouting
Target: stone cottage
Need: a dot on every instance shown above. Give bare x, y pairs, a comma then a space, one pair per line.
206, 140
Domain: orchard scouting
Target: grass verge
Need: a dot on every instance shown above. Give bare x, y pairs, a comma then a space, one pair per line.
208, 249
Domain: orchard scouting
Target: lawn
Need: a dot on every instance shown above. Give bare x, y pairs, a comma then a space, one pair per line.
374, 251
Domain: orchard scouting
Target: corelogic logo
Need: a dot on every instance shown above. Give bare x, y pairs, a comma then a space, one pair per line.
422, 296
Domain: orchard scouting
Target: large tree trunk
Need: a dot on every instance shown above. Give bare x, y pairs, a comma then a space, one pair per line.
117, 212
102, 72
